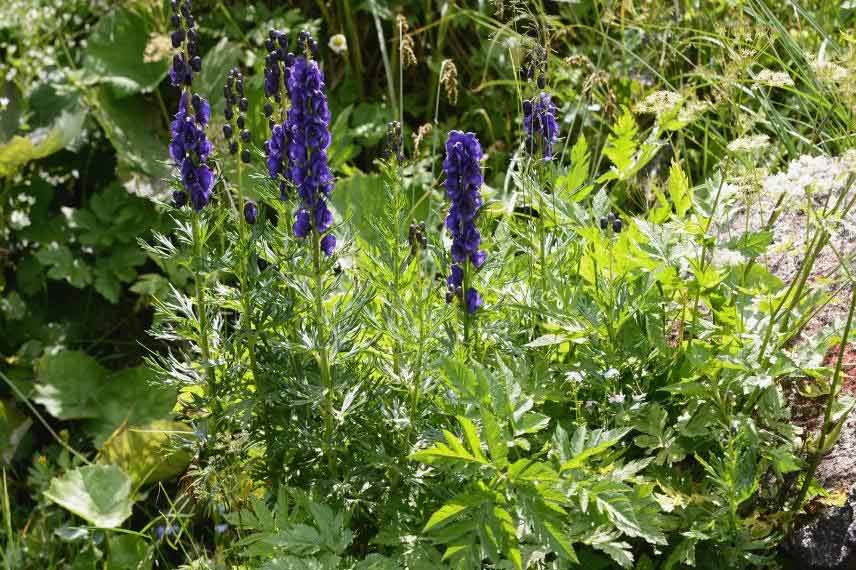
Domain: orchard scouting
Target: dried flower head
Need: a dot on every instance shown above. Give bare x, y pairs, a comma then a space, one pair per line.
449, 79
405, 42
419, 136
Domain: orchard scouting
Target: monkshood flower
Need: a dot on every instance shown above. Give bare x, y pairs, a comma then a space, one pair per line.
278, 64
251, 212
190, 148
539, 122
463, 188
183, 36
308, 137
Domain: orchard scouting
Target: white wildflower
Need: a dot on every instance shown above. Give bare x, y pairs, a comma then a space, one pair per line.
19, 219
723, 257
4, 102
616, 399
575, 376
749, 144
828, 70
659, 102
611, 374
774, 78
338, 44
818, 174
159, 48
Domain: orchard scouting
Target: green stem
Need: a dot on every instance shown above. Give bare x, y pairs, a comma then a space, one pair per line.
830, 404
203, 326
323, 357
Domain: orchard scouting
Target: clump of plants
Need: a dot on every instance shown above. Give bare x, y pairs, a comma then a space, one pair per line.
559, 364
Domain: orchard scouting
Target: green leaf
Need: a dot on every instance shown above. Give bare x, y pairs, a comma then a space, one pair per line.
128, 552
99, 494
679, 190
63, 265
449, 452
114, 53
136, 130
130, 397
471, 437
530, 471
572, 186
146, 454
751, 244
595, 444
69, 385
215, 65
453, 508
41, 142
621, 143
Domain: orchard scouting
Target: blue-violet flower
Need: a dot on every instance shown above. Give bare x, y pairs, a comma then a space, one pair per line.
190, 148
307, 139
539, 122
463, 188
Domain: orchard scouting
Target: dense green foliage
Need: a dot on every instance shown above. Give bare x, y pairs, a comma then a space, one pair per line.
185, 389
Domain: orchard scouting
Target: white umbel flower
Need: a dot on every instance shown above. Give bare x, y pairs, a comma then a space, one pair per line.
772, 78
338, 44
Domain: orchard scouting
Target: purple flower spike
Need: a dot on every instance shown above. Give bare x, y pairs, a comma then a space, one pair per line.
539, 122
464, 179
306, 138
190, 148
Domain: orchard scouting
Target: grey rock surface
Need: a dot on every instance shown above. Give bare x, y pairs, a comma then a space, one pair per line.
829, 541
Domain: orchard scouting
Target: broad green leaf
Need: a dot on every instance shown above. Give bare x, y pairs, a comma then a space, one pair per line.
128, 552
527, 470
146, 454
69, 384
621, 143
114, 53
547, 340
679, 190
215, 65
99, 494
496, 442
41, 142
130, 397
137, 131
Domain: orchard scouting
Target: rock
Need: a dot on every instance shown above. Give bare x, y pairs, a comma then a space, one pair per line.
829, 541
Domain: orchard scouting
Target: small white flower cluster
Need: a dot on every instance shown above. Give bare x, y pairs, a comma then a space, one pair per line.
749, 143
58, 179
338, 44
659, 102
774, 78
828, 70
817, 174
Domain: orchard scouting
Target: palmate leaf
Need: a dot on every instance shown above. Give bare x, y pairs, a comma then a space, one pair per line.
42, 142
584, 446
114, 53
448, 453
99, 494
145, 453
